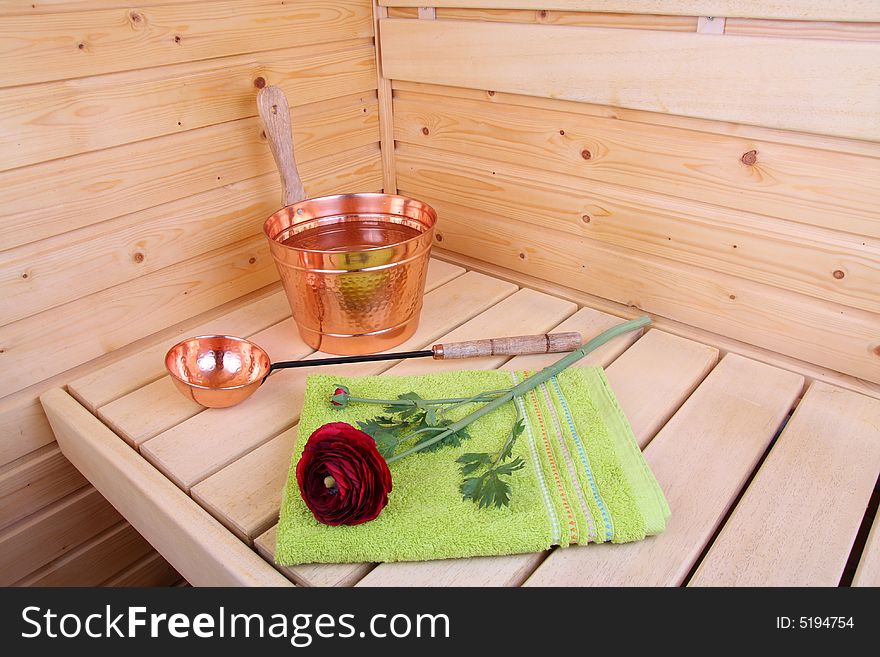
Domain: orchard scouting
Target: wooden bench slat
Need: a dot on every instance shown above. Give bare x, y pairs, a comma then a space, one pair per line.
651, 380
868, 572
198, 546
132, 416
702, 458
246, 494
655, 376
312, 574
525, 312
202, 445
796, 523
114, 381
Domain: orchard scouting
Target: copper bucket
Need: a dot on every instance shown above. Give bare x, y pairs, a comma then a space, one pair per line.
353, 265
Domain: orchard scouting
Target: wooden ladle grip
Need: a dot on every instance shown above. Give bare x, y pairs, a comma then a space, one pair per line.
273, 108
523, 344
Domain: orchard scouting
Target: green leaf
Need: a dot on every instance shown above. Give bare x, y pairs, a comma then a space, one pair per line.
510, 468
487, 490
507, 450
454, 439
386, 443
472, 462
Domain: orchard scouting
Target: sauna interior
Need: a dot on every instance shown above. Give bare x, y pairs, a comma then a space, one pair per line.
712, 163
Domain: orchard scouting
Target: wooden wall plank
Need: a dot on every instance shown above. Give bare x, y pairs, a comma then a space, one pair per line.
821, 263
35, 541
152, 570
386, 117
23, 429
40, 122
797, 521
650, 70
95, 561
810, 371
850, 10
199, 547
36, 481
228, 434
77, 44
158, 299
582, 18
80, 333
29, 7
717, 437
56, 270
803, 29
835, 190
90, 188
246, 494
743, 131
812, 330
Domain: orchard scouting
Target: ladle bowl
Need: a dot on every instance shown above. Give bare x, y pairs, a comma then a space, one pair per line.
217, 371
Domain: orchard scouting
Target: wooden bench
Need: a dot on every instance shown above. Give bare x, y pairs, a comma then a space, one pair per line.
767, 473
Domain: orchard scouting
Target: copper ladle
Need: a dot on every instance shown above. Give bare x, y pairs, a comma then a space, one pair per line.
217, 371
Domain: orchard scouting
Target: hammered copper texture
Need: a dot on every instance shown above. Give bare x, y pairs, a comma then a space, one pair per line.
354, 301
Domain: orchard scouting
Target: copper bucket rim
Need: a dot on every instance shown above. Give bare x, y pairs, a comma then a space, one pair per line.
432, 213
199, 386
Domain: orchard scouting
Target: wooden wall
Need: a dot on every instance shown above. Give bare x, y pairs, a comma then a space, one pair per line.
134, 180
722, 172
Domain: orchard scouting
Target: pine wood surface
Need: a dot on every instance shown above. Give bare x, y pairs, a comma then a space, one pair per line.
796, 523
712, 425
92, 42
649, 70
852, 10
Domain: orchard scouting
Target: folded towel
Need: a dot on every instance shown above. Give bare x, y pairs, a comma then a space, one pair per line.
585, 480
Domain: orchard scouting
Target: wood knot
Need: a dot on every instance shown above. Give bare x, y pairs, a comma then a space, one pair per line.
425, 131
750, 158
876, 350
138, 257
177, 39
587, 155
838, 274
25, 275
522, 256
562, 132
259, 82
438, 237
733, 297
586, 219
252, 260
543, 13
136, 17
81, 45
490, 93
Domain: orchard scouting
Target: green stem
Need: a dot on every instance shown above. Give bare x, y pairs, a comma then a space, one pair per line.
532, 382
416, 402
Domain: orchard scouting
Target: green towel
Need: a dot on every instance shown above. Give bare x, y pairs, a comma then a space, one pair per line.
585, 479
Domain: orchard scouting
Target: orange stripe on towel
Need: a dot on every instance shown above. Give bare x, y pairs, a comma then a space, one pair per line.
572, 525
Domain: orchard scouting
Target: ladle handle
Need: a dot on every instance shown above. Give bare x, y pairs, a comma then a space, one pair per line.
273, 108
548, 343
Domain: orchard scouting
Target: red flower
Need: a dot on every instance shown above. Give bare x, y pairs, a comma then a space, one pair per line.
342, 477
